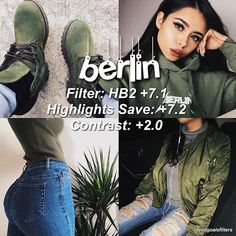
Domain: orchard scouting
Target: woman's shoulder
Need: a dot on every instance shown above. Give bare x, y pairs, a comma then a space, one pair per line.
217, 138
218, 76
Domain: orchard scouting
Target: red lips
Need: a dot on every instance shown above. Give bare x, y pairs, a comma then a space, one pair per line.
176, 52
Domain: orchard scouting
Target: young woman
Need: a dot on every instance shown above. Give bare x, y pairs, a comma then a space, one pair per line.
40, 201
181, 192
193, 51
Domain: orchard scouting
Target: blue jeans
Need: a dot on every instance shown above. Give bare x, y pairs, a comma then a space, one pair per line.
7, 101
106, 101
40, 203
168, 220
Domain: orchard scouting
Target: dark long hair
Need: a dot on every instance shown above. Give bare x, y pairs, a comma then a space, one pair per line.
174, 150
213, 60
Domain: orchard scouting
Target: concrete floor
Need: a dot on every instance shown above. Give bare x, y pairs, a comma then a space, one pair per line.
102, 17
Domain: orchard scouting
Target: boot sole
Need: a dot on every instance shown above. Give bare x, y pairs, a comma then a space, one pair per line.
45, 20
63, 44
63, 50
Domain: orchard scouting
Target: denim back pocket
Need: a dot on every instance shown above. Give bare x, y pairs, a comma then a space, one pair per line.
28, 201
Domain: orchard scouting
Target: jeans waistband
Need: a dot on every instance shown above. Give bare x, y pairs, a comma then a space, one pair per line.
47, 165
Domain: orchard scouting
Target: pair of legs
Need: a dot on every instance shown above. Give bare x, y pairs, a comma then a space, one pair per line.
168, 220
40, 201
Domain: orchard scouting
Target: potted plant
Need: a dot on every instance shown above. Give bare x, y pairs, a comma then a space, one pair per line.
95, 190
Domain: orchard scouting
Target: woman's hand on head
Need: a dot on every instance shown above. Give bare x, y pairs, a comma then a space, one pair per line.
211, 41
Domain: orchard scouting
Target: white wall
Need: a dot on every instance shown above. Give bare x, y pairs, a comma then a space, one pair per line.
11, 165
74, 143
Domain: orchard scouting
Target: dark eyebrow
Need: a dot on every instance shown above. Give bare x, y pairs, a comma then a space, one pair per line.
187, 25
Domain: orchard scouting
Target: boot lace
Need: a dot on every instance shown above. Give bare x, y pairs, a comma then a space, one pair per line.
23, 53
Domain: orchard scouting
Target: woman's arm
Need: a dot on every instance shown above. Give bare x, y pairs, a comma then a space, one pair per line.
229, 50
147, 184
229, 96
211, 190
214, 40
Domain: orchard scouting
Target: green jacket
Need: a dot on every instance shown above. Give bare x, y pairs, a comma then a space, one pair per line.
189, 90
203, 170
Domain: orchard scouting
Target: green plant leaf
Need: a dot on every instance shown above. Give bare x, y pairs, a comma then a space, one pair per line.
95, 190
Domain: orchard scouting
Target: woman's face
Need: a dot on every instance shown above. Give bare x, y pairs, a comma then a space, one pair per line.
191, 124
185, 121
180, 33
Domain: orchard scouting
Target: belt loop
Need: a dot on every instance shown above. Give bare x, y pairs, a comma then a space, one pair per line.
25, 166
48, 163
